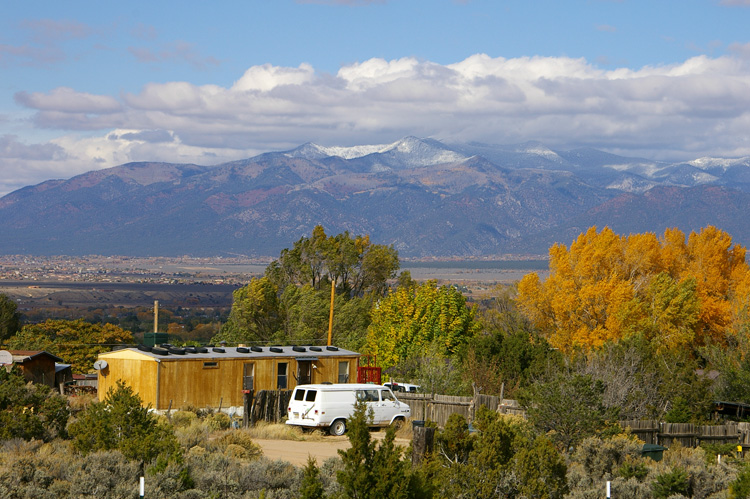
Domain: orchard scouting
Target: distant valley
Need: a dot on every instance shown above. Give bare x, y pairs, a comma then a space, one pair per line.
429, 199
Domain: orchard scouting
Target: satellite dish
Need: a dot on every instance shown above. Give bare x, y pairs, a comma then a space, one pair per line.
100, 364
6, 357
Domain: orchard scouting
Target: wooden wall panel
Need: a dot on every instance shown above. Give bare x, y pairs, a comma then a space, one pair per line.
187, 382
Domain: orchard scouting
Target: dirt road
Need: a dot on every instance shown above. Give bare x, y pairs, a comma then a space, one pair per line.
296, 452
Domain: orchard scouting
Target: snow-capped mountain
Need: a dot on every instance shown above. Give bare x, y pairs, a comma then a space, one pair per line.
426, 197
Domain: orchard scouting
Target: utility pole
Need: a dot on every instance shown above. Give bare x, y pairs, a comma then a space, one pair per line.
330, 316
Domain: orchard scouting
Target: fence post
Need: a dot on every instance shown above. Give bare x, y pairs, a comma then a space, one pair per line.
422, 443
248, 407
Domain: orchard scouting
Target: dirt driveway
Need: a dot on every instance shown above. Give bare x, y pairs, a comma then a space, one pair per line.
296, 452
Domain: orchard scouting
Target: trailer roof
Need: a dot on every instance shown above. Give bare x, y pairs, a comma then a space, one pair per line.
214, 353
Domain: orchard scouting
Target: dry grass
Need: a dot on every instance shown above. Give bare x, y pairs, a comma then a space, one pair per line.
78, 403
406, 431
278, 431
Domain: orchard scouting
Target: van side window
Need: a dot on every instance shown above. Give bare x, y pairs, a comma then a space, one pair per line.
310, 397
387, 395
371, 396
299, 394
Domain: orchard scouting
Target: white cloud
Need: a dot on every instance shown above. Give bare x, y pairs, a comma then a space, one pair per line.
696, 108
67, 100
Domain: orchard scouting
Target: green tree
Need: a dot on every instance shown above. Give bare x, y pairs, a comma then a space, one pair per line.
371, 470
740, 487
674, 482
30, 410
311, 487
568, 405
121, 423
408, 320
255, 315
505, 459
77, 342
355, 264
508, 351
10, 318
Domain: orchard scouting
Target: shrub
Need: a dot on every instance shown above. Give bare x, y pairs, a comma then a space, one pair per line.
191, 436
183, 419
105, 474
238, 439
218, 421
671, 483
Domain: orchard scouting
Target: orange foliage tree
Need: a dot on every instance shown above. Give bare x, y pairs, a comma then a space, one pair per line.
675, 292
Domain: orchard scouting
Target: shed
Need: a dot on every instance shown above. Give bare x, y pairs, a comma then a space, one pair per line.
37, 366
180, 378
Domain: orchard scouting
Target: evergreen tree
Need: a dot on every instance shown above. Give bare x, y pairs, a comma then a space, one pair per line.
311, 487
372, 471
120, 422
29, 410
10, 319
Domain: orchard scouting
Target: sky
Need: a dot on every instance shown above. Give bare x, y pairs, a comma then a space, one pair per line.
86, 85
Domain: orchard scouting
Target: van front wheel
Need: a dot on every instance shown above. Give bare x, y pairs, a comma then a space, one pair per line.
338, 428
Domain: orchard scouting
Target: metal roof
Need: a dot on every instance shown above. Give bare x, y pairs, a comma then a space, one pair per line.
21, 356
216, 353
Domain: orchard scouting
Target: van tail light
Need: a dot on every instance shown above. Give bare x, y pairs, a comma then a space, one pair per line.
288, 409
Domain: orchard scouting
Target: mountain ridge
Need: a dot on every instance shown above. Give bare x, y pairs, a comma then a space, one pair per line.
425, 197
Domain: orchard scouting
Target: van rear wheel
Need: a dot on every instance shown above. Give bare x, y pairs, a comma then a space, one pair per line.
337, 428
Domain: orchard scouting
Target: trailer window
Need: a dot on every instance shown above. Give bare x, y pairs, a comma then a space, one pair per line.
281, 375
344, 371
310, 397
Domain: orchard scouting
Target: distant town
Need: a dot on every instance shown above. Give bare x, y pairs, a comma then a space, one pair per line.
122, 269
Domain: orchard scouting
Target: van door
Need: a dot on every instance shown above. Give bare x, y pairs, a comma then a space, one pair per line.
302, 404
371, 396
388, 406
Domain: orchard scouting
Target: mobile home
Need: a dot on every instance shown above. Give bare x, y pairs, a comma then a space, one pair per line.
179, 378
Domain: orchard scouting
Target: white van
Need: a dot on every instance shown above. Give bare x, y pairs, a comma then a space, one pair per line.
397, 386
328, 406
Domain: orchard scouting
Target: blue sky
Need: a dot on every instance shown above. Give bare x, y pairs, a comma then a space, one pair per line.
88, 85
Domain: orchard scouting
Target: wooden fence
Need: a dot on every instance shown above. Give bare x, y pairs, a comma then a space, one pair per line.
438, 408
689, 435
270, 406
